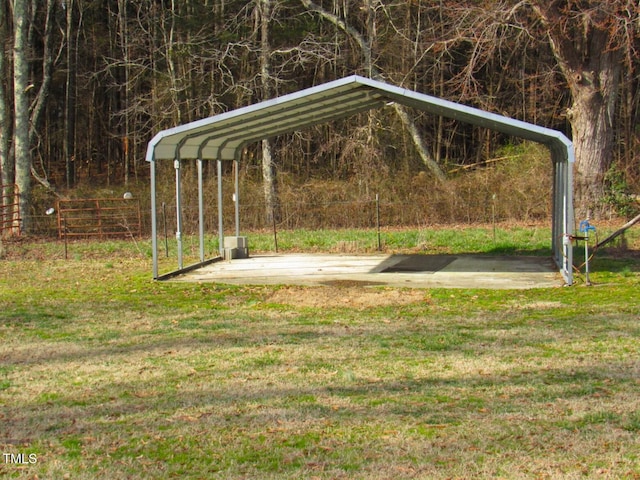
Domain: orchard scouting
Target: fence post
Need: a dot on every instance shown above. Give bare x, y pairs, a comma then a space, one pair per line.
275, 231
378, 221
164, 222
64, 234
99, 217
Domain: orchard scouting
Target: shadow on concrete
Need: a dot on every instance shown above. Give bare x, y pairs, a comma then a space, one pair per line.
466, 263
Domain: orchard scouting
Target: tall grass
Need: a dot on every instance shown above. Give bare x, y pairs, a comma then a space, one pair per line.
516, 188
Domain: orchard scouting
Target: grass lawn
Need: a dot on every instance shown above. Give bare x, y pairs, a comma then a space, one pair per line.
107, 374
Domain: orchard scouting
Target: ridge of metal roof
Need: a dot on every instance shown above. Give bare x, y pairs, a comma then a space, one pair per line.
221, 136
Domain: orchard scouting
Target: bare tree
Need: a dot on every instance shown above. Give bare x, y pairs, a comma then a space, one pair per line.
365, 44
591, 42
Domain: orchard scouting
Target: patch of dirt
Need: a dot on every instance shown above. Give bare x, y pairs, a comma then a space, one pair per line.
349, 296
539, 305
351, 283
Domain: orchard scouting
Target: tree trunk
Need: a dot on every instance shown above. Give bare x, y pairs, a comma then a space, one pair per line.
594, 89
21, 111
70, 100
6, 162
418, 142
124, 43
593, 138
38, 106
590, 58
270, 184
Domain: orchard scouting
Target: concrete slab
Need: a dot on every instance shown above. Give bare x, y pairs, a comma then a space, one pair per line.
415, 271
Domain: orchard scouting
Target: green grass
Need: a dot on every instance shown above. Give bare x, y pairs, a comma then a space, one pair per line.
107, 374
507, 239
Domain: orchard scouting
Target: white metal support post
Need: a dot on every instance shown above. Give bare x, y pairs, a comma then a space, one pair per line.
200, 210
568, 216
220, 219
176, 166
556, 222
236, 196
154, 221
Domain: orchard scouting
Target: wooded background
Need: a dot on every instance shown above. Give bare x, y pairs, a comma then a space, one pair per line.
85, 84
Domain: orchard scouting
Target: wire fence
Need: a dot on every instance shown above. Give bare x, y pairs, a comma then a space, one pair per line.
366, 213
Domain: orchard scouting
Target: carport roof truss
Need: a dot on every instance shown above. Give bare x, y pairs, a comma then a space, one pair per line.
222, 137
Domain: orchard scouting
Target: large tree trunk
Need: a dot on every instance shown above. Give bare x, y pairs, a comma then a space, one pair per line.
591, 117
594, 89
21, 111
587, 49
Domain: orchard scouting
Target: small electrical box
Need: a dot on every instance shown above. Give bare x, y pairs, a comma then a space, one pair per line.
235, 247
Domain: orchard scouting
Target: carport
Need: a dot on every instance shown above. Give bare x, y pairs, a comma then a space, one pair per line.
222, 137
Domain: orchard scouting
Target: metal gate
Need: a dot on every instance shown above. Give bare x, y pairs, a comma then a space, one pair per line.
10, 219
99, 217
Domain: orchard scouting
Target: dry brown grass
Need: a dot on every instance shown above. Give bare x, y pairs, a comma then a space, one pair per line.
515, 189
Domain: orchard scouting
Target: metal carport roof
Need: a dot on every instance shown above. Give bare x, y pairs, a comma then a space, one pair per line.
222, 137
